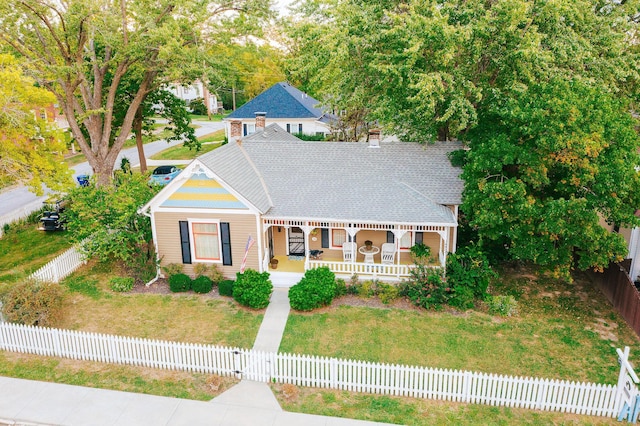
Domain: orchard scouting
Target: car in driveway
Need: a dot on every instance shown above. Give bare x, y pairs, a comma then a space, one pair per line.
162, 175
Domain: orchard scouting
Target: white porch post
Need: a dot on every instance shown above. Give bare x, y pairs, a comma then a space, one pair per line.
398, 234
454, 243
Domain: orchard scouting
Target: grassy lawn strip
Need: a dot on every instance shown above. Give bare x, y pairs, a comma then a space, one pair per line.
24, 250
151, 381
175, 317
210, 142
564, 331
409, 411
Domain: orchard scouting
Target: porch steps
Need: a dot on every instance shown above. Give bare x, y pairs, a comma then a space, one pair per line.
284, 279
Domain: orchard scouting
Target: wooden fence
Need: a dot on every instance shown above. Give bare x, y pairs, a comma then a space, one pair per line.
302, 370
619, 289
60, 267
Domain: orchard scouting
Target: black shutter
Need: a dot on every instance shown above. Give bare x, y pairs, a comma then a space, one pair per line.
184, 241
324, 233
418, 237
244, 130
226, 243
390, 237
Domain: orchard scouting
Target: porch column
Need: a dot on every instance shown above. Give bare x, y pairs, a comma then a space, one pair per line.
398, 234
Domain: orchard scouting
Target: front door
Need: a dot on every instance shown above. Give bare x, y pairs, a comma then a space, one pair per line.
296, 241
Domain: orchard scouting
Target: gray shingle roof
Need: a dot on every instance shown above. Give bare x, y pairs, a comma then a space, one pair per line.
281, 100
272, 132
398, 182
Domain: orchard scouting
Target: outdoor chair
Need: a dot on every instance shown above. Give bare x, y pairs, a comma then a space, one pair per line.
388, 253
349, 251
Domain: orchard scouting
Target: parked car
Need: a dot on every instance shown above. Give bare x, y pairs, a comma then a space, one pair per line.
164, 174
52, 219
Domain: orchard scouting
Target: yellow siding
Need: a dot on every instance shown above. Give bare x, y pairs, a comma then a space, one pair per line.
240, 227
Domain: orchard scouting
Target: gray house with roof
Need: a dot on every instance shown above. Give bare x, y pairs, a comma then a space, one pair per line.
310, 204
285, 105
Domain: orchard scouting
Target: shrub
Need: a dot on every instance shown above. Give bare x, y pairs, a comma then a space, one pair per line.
341, 287
225, 288
252, 289
317, 288
198, 107
202, 284
172, 269
421, 253
426, 288
180, 282
210, 271
505, 306
387, 292
34, 303
367, 288
468, 274
121, 284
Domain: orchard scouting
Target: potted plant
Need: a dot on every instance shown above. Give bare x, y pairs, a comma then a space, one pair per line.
273, 263
368, 244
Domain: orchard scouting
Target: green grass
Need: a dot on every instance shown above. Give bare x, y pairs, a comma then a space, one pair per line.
409, 411
116, 377
209, 142
24, 249
214, 117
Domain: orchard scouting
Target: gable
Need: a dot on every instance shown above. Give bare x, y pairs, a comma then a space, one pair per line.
202, 192
280, 101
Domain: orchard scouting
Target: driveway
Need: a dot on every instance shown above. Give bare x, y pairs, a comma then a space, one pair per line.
19, 199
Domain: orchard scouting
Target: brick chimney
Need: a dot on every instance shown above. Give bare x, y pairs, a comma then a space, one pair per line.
374, 138
235, 135
260, 121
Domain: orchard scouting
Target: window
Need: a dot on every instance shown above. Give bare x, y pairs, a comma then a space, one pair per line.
338, 237
300, 128
249, 129
288, 128
206, 241
405, 241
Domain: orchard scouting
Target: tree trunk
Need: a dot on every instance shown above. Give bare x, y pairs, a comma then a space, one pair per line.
137, 128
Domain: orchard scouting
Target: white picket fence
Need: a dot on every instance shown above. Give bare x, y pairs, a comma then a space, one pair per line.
302, 370
60, 267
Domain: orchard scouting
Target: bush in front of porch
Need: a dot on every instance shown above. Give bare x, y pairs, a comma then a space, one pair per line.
252, 289
317, 288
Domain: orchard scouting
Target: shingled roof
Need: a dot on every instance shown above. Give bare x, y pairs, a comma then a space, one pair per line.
396, 183
270, 133
281, 100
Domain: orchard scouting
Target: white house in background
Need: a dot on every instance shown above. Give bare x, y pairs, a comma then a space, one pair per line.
196, 90
286, 106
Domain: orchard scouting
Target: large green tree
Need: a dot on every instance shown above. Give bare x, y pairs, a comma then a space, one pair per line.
82, 52
30, 146
542, 92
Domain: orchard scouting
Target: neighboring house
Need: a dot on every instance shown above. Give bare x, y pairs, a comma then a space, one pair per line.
196, 90
285, 105
301, 201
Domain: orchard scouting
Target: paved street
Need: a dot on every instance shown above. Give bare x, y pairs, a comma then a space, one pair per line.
20, 197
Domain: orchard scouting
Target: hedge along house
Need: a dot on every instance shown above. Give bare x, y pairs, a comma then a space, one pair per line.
302, 201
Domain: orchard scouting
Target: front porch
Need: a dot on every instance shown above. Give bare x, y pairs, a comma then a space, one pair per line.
295, 245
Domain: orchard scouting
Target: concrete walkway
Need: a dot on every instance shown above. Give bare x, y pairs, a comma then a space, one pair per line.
27, 402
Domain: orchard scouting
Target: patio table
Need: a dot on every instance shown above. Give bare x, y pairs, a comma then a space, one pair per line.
368, 253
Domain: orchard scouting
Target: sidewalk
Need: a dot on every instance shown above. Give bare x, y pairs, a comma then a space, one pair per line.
30, 403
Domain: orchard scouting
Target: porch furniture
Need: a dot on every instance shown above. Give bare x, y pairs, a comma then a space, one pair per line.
369, 252
349, 251
388, 253
315, 254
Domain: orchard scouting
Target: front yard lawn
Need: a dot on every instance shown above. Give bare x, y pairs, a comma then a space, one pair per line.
24, 249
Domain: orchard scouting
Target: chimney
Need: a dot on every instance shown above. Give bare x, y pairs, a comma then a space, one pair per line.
260, 121
374, 138
236, 131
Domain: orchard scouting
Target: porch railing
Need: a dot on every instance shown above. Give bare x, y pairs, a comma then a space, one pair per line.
360, 268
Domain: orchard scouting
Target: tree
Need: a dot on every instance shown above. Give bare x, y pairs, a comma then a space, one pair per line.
542, 92
30, 148
106, 219
83, 51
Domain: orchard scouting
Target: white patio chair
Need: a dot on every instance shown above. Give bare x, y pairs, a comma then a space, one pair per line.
388, 254
349, 251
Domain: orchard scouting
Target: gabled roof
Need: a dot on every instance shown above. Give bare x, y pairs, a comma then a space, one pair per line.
397, 183
281, 100
272, 132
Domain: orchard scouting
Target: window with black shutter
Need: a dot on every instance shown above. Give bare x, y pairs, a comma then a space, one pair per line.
184, 241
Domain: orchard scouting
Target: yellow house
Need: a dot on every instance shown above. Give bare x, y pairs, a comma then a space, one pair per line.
357, 208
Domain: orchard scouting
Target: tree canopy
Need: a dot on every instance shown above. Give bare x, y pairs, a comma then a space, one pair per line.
543, 93
30, 147
83, 51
